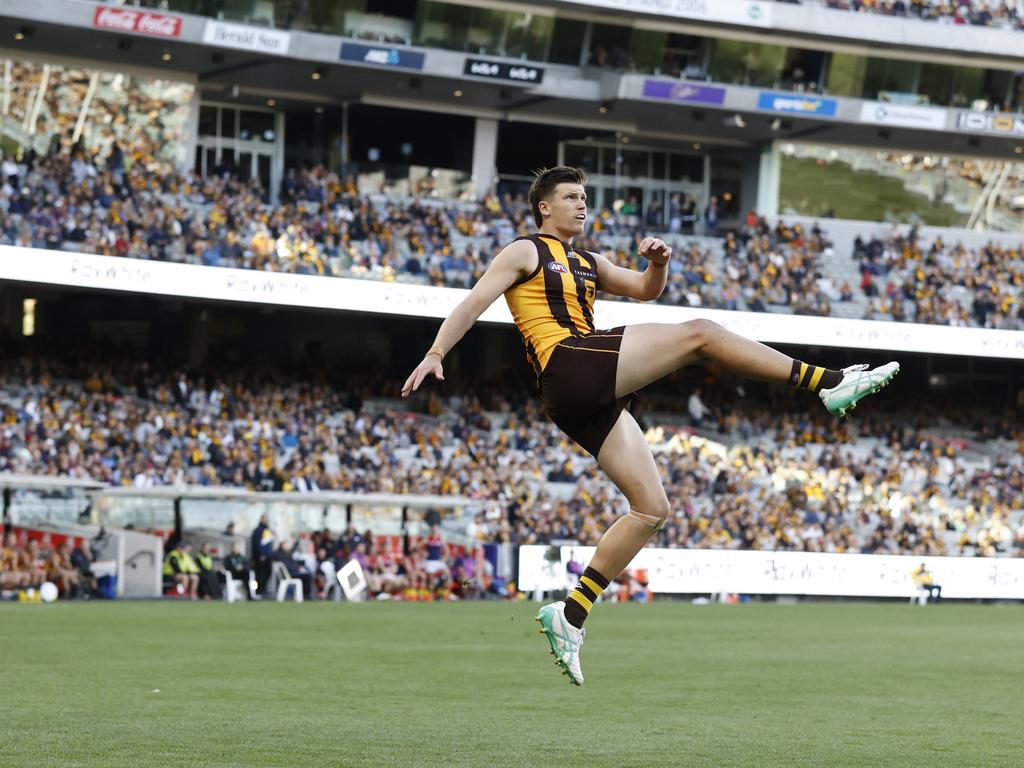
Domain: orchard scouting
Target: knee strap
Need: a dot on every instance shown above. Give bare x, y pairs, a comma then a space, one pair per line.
652, 522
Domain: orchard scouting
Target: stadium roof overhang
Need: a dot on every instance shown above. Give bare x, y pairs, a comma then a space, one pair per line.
313, 69
566, 95
806, 25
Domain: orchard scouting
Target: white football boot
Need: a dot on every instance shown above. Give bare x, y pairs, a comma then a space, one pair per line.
858, 382
565, 639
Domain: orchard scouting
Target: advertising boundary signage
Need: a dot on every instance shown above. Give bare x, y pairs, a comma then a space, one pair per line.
382, 55
140, 21
903, 115
759, 572
36, 265
797, 104
501, 70
246, 38
690, 93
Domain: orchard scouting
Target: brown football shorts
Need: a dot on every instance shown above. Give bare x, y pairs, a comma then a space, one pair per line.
577, 387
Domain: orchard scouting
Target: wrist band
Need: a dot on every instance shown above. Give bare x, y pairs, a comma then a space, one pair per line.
437, 349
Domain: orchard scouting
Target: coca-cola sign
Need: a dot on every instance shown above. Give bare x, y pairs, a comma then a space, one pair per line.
143, 22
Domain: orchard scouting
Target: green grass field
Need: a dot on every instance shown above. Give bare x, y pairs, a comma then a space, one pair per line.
811, 189
472, 684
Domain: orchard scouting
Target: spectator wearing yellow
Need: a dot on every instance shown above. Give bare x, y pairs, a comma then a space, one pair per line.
924, 580
12, 576
179, 564
61, 571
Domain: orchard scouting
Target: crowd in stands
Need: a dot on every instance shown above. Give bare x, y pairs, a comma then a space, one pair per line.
322, 226
76, 202
793, 478
147, 117
26, 564
941, 283
1008, 14
430, 569
807, 483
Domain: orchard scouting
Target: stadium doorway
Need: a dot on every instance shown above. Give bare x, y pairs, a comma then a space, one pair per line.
246, 141
638, 180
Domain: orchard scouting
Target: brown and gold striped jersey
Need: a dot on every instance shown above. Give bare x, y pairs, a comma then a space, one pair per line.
556, 300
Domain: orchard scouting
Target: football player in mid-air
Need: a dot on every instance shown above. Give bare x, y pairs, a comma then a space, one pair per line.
587, 377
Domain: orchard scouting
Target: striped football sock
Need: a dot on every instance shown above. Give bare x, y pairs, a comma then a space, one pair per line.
582, 599
813, 377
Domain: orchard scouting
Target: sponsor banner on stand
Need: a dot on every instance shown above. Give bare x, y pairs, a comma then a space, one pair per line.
906, 116
225, 284
382, 55
499, 70
795, 103
708, 571
991, 122
742, 12
142, 22
674, 90
247, 38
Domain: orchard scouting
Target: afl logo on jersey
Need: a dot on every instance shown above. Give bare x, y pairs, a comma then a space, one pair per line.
554, 266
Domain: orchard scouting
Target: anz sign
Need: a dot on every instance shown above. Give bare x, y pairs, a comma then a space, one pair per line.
382, 56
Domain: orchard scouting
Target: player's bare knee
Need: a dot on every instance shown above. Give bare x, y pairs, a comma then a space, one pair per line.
653, 506
702, 332
653, 515
646, 497
661, 509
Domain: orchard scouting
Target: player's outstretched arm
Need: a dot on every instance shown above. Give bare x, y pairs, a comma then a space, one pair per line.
513, 261
644, 286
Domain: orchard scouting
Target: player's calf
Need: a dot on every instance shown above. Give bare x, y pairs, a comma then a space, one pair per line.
606, 564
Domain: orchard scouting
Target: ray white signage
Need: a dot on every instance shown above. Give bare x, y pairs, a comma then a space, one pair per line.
709, 571
110, 273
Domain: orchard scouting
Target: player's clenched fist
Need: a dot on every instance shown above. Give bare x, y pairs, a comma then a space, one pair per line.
655, 250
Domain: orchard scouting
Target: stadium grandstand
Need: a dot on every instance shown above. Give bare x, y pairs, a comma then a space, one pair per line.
230, 229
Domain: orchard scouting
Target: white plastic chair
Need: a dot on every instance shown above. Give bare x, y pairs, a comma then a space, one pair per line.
921, 596
333, 588
233, 588
285, 580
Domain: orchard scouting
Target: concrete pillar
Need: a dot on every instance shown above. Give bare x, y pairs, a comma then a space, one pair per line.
199, 335
188, 154
277, 159
768, 181
485, 156
6, 312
